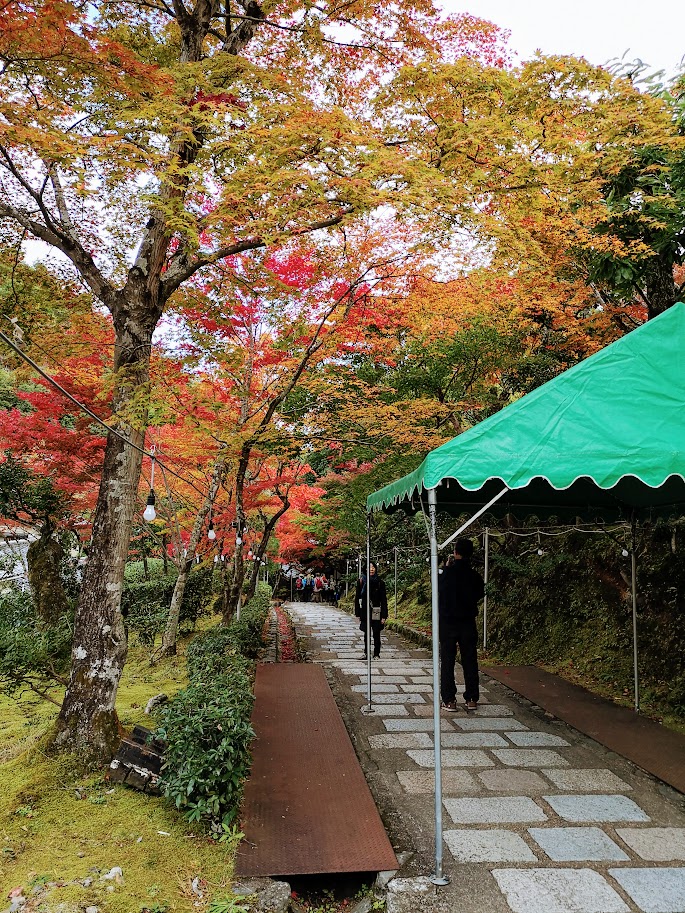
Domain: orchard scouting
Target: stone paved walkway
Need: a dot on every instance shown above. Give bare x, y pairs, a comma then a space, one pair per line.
538, 818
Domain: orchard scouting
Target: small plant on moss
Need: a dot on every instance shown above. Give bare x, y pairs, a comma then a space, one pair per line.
227, 905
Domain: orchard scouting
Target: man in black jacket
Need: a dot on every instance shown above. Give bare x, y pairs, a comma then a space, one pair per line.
460, 590
379, 607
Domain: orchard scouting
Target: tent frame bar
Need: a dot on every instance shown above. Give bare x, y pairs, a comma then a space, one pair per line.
468, 523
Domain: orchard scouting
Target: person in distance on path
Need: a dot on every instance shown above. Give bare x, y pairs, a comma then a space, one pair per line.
379, 607
460, 590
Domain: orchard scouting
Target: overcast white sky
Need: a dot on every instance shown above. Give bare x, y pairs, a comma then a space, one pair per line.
595, 29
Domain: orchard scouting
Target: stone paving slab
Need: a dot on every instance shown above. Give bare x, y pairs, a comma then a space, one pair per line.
577, 844
400, 740
596, 808
472, 723
376, 688
415, 726
472, 740
382, 710
655, 844
537, 740
529, 757
494, 810
493, 845
654, 890
600, 780
452, 758
397, 698
422, 782
513, 780
558, 891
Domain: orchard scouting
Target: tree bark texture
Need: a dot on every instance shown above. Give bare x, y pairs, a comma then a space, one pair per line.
88, 722
44, 558
661, 290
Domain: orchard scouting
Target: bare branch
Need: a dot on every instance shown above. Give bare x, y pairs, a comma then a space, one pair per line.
81, 259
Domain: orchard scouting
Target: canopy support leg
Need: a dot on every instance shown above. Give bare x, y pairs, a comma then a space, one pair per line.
395, 581
438, 878
633, 587
369, 707
486, 549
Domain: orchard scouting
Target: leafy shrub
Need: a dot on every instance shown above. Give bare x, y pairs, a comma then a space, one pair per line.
135, 570
207, 725
210, 653
208, 733
145, 604
32, 654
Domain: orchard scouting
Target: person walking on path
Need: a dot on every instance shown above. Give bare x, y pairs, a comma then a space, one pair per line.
460, 590
379, 607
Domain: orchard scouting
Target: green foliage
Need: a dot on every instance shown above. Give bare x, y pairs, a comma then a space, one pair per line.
23, 494
207, 725
32, 655
145, 604
135, 570
570, 610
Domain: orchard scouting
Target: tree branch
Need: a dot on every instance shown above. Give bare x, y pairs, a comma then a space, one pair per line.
82, 260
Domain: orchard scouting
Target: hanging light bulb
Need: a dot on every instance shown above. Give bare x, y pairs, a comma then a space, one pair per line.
625, 552
150, 513
210, 532
540, 552
238, 540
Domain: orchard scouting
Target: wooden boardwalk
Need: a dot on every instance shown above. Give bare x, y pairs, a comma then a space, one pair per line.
307, 807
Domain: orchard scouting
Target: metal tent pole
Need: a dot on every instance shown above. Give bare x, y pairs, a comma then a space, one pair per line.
395, 581
438, 878
633, 569
347, 576
487, 577
369, 706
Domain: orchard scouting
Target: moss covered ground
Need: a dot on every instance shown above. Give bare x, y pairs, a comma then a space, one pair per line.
60, 826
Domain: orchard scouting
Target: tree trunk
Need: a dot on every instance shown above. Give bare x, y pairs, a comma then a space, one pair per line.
269, 527
661, 290
88, 723
165, 557
233, 589
146, 569
44, 558
171, 630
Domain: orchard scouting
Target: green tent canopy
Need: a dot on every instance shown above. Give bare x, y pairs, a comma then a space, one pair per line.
605, 439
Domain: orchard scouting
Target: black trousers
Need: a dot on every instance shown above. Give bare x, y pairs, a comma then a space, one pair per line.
466, 639
376, 628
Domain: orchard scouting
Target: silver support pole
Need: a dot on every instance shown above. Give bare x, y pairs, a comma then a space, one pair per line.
438, 878
633, 582
486, 545
369, 707
291, 584
478, 513
395, 581
347, 576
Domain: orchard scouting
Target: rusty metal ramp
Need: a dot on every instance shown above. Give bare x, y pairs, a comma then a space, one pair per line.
307, 807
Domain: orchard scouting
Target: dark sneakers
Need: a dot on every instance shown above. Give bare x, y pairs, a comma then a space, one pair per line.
450, 705
471, 706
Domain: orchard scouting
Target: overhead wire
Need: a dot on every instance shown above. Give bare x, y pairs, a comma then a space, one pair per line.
89, 412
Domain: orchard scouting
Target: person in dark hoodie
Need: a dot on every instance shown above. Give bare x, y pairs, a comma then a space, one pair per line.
460, 590
379, 607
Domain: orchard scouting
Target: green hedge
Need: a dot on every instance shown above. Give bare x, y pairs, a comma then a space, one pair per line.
145, 604
207, 725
